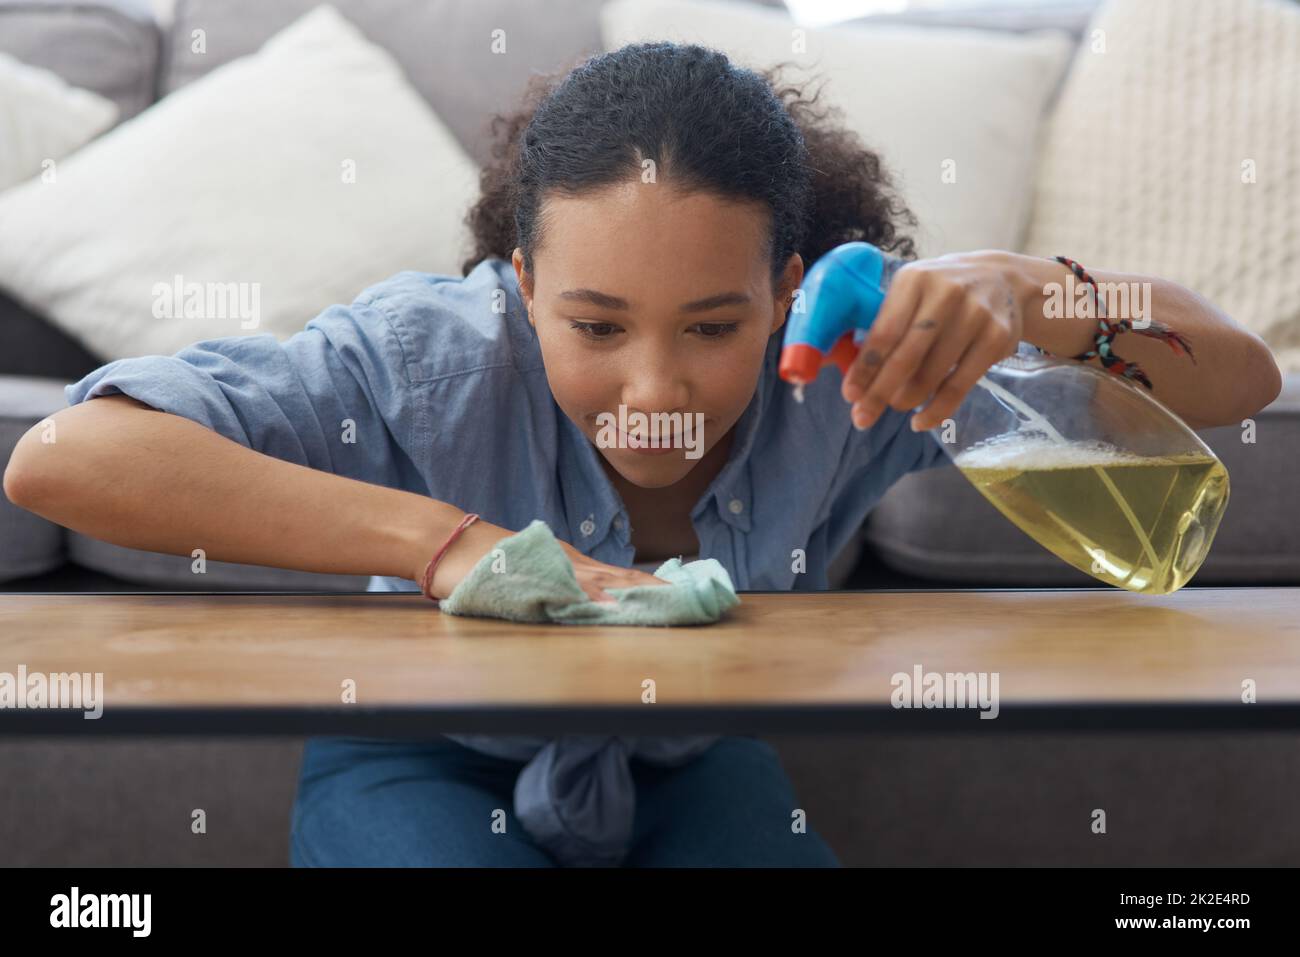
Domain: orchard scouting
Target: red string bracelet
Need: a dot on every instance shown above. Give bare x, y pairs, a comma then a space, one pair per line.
426, 581
1108, 330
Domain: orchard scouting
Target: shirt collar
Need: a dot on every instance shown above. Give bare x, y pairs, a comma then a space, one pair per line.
591, 502
731, 489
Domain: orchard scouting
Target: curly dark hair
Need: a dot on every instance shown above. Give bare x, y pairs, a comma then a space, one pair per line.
710, 126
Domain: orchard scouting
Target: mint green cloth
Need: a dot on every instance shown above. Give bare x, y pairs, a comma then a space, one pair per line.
528, 577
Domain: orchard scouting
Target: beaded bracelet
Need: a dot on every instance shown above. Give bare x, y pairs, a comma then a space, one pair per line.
426, 580
1108, 330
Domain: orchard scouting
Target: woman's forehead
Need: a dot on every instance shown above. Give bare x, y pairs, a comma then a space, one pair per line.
632, 228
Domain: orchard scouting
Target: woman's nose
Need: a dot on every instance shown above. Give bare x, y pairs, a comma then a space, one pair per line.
655, 384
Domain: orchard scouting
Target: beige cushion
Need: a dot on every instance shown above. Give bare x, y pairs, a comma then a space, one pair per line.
1175, 152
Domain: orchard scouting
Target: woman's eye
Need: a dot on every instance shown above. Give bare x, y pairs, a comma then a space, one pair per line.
593, 330
605, 330
716, 330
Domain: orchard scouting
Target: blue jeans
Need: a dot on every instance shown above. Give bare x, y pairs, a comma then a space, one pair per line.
366, 802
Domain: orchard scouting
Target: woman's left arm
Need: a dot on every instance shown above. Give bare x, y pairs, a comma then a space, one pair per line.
1233, 376
946, 320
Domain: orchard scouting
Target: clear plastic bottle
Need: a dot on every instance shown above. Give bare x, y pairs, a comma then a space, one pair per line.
1088, 464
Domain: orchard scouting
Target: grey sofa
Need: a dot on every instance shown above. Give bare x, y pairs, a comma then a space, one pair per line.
880, 800
930, 529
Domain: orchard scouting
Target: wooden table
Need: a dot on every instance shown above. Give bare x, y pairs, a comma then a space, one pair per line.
1085, 659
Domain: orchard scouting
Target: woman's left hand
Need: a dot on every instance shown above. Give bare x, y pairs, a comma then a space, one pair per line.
943, 323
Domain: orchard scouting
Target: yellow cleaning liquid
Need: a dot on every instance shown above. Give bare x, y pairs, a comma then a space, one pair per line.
1140, 523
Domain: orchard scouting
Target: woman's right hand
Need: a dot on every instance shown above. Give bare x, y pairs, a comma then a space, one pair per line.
481, 538
594, 577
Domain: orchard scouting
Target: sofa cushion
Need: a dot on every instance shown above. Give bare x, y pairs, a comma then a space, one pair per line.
1072, 16
110, 47
107, 46
445, 47
935, 524
176, 572
135, 796
244, 204
29, 545
43, 119
1173, 153
879, 799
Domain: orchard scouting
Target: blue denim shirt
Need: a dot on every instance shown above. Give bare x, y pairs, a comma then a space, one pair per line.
435, 385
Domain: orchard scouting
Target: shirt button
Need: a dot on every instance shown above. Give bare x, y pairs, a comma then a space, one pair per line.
735, 506
587, 526
618, 523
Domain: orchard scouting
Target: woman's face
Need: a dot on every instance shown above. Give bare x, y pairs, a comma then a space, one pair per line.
658, 302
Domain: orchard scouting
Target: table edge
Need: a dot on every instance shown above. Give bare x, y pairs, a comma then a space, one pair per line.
427, 722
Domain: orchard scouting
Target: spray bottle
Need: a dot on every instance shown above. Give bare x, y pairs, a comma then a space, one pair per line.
1086, 463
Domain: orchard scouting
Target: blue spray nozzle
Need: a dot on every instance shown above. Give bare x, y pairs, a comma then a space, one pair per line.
840, 296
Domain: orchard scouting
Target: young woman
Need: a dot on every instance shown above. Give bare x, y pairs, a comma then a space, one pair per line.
638, 244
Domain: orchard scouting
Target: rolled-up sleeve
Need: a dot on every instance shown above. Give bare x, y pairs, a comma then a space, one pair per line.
332, 397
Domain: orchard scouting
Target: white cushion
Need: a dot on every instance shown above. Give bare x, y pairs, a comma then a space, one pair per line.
1148, 158
922, 97
43, 118
239, 179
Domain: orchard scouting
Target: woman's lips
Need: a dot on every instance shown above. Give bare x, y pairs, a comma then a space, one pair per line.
642, 446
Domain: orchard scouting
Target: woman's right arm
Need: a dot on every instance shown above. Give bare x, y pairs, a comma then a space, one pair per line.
126, 473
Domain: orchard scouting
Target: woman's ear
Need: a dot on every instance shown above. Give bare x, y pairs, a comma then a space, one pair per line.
525, 281
786, 290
